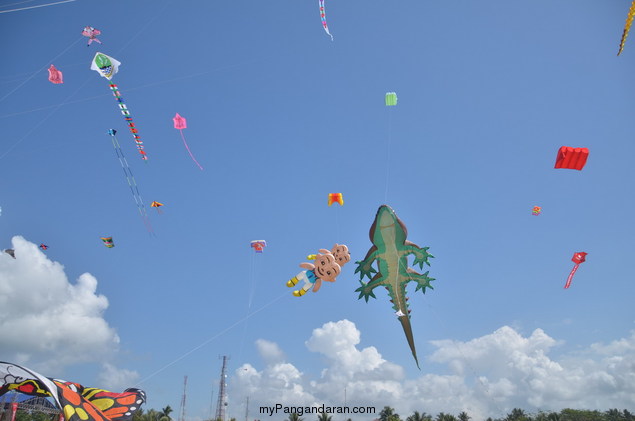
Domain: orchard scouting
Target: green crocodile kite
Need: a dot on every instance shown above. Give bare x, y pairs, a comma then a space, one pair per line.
391, 250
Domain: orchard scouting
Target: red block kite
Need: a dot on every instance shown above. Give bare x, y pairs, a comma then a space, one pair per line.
571, 158
577, 258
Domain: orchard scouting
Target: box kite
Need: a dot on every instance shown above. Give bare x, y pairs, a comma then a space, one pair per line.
571, 158
391, 99
336, 198
108, 242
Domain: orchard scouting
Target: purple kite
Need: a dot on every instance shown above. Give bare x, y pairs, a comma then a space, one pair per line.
577, 258
55, 76
91, 33
180, 123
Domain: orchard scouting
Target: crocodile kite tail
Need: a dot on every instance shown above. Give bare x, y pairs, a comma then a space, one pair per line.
407, 329
627, 26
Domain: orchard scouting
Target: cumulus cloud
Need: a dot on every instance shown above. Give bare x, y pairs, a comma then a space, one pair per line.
48, 322
485, 376
116, 379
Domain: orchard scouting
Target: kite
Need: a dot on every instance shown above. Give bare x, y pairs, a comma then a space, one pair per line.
577, 258
44, 246
10, 252
55, 76
571, 158
180, 123
339, 251
107, 67
391, 99
77, 402
391, 250
108, 242
156, 205
336, 198
627, 26
323, 18
91, 33
258, 245
132, 183
536, 210
325, 269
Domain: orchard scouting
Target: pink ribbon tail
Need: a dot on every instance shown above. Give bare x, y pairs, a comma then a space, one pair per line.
189, 151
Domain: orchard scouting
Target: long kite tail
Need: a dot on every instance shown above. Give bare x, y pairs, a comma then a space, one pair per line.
323, 18
126, 114
568, 284
132, 183
627, 26
189, 151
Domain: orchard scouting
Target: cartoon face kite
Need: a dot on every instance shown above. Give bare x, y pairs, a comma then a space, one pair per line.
325, 269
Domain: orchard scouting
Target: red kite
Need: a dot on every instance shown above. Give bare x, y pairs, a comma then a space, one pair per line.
571, 158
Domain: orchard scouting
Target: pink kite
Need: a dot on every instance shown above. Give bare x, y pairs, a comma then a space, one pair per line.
91, 33
577, 258
55, 75
180, 123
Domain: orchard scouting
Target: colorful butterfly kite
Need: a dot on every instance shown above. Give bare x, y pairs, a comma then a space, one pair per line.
323, 18
180, 123
77, 402
577, 258
336, 198
55, 76
107, 67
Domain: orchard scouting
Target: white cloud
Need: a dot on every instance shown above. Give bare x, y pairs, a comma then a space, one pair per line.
116, 379
47, 322
486, 376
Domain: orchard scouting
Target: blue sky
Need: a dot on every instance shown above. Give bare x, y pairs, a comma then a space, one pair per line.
279, 116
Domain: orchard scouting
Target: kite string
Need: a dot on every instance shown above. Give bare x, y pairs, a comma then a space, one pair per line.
35, 7
188, 150
41, 69
196, 348
33, 128
388, 152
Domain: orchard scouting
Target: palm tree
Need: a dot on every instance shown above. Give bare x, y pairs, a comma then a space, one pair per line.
416, 416
165, 413
295, 417
388, 414
324, 417
463, 416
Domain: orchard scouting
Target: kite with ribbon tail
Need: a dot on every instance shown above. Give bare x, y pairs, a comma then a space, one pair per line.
323, 18
180, 123
579, 257
627, 27
130, 178
107, 67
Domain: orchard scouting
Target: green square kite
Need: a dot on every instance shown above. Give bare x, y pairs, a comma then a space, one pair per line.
391, 98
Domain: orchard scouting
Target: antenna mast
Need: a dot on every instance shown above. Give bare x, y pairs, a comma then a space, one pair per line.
222, 392
182, 410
